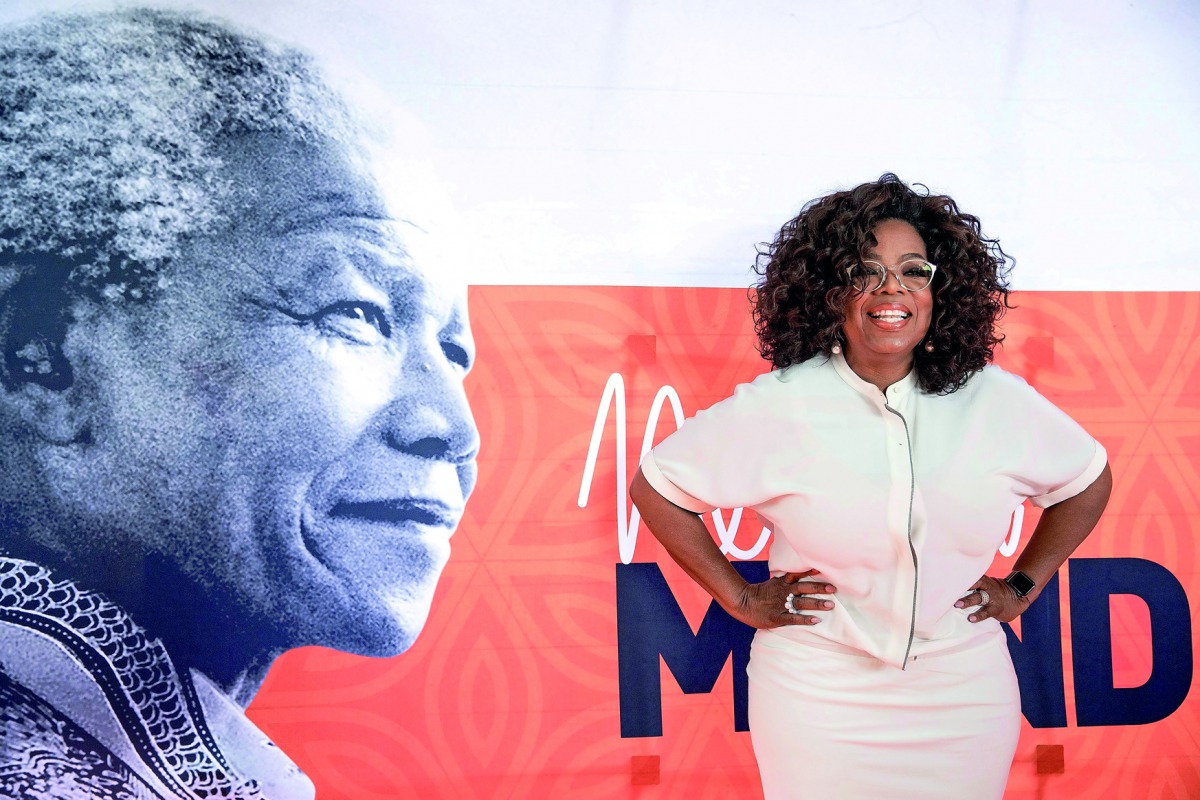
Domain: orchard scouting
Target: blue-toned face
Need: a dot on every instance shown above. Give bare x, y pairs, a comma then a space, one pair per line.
286, 421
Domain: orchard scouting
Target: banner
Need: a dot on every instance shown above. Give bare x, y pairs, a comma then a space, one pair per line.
516, 687
285, 507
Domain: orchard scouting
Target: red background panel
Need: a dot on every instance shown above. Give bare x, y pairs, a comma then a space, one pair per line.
512, 690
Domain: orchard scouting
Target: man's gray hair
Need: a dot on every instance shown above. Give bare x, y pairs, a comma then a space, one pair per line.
108, 129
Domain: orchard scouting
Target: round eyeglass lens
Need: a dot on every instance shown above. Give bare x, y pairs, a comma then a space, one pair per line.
865, 276
915, 274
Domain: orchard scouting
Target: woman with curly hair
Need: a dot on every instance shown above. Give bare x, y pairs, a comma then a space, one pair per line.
887, 457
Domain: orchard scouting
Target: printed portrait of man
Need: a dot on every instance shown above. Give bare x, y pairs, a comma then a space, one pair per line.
232, 416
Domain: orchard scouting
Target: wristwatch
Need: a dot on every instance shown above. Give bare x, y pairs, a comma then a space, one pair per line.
1021, 583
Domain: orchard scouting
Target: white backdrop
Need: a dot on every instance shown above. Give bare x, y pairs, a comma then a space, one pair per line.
655, 143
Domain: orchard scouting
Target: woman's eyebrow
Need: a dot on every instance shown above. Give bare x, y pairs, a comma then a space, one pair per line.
871, 254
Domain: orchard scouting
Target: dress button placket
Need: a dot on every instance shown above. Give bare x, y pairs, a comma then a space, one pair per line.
900, 502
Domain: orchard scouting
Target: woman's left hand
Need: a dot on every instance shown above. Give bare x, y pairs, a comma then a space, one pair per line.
996, 599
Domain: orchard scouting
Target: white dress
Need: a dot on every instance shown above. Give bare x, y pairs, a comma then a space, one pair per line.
900, 501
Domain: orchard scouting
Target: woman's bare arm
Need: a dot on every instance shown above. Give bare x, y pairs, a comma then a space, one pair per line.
684, 536
1062, 528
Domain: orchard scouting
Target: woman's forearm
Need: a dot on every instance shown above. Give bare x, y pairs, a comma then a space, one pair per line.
783, 600
684, 536
1062, 528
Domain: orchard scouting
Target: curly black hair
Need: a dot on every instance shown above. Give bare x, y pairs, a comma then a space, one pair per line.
800, 302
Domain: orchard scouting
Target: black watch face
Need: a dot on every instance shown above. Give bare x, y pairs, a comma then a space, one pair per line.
1021, 583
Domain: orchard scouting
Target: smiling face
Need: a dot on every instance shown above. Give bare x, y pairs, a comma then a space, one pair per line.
285, 423
884, 327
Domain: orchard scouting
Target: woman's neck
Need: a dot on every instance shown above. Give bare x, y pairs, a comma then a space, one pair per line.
881, 372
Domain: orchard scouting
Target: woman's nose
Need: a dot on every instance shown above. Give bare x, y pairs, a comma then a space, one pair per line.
891, 282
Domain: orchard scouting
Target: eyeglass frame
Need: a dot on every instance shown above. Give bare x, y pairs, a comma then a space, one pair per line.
886, 270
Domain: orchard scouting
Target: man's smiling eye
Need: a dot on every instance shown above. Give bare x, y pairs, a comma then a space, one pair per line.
456, 354
360, 322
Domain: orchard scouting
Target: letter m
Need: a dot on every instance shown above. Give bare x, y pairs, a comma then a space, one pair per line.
650, 624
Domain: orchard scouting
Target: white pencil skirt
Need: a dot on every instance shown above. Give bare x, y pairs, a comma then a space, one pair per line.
841, 726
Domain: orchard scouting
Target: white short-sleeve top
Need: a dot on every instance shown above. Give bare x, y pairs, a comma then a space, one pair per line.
899, 499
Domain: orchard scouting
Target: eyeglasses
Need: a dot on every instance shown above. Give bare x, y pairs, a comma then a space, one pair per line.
914, 275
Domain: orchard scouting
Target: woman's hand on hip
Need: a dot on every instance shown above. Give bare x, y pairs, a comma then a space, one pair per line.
786, 600
996, 600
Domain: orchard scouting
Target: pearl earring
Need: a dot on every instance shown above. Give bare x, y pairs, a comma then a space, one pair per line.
837, 349
929, 347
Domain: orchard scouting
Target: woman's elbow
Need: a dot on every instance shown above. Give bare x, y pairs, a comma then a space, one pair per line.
639, 488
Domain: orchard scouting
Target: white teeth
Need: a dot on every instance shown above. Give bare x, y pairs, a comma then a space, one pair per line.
890, 315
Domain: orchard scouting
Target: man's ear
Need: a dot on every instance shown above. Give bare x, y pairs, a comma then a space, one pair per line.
36, 375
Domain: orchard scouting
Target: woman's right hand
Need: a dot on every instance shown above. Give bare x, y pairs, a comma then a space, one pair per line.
761, 605
764, 605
